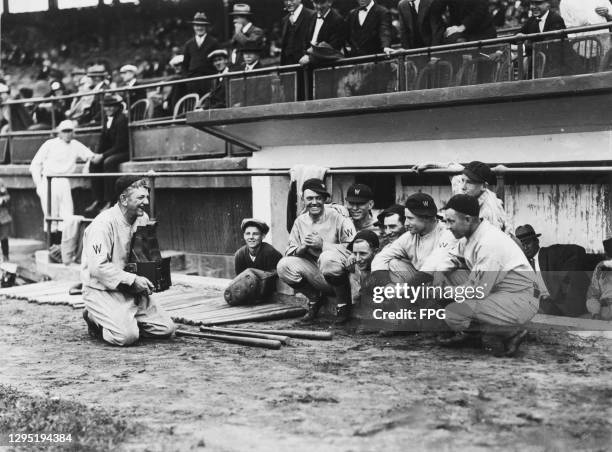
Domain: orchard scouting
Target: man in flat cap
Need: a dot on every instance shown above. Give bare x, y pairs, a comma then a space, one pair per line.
118, 308
245, 33
128, 74
58, 155
112, 150
500, 293
217, 95
195, 54
314, 232
426, 236
560, 272
391, 224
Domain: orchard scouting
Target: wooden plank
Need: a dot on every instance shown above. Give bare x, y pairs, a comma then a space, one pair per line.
572, 322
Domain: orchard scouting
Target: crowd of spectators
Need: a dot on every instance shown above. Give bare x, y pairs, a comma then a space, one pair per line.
304, 36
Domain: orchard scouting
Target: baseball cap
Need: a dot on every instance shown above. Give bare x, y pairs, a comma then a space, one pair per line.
366, 235
66, 124
261, 225
479, 172
421, 205
359, 193
317, 186
465, 204
124, 182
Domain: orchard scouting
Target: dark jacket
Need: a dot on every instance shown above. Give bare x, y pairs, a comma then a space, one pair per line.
332, 32
254, 35
266, 259
473, 14
114, 140
375, 33
417, 31
295, 38
553, 22
195, 59
563, 272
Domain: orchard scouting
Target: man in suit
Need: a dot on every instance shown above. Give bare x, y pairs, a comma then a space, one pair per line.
128, 75
245, 33
216, 98
195, 55
543, 19
417, 27
469, 20
560, 274
328, 26
251, 54
295, 36
369, 29
112, 150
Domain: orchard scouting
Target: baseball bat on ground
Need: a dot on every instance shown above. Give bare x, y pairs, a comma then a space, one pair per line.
241, 340
272, 337
297, 334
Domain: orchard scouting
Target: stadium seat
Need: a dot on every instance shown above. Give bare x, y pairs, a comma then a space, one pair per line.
186, 103
140, 110
437, 74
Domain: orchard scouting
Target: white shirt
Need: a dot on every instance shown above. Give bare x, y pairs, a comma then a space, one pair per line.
109, 122
317, 29
294, 16
200, 39
542, 22
55, 156
247, 27
416, 4
363, 14
539, 280
249, 67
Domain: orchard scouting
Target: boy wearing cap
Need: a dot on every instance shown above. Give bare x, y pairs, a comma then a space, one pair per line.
255, 253
58, 155
318, 230
500, 275
425, 237
245, 33
117, 303
217, 98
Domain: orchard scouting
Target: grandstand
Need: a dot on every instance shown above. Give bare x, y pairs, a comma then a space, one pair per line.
367, 119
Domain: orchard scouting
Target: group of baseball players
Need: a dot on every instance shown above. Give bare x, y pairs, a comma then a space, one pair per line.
336, 256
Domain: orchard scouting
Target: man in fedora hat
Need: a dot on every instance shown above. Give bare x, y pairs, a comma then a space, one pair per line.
599, 295
112, 150
245, 32
195, 54
314, 232
503, 295
58, 155
251, 54
560, 272
118, 306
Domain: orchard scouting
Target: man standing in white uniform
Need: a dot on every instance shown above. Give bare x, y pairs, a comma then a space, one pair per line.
117, 303
58, 155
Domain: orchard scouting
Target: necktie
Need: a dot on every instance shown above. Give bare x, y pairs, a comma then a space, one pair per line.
363, 8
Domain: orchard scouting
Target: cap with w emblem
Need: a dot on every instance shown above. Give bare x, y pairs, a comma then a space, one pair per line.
421, 205
359, 193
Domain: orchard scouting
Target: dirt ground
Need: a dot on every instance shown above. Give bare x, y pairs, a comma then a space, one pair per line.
355, 393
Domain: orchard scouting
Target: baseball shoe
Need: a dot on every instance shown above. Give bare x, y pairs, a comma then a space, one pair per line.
461, 339
512, 343
95, 331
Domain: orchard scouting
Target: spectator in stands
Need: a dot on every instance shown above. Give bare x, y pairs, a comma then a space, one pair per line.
498, 9
250, 55
81, 107
391, 223
328, 26
176, 91
217, 96
112, 150
195, 55
561, 278
99, 75
468, 20
245, 33
417, 26
542, 19
296, 32
13, 117
369, 29
75, 77
58, 155
599, 295
48, 114
128, 76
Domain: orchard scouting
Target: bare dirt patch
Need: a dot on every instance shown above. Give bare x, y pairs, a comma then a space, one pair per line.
356, 393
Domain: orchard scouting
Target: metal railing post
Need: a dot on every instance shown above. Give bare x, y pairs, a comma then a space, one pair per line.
151, 182
519, 58
48, 202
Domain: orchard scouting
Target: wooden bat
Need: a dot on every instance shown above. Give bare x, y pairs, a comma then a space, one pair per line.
298, 334
246, 317
273, 337
241, 340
